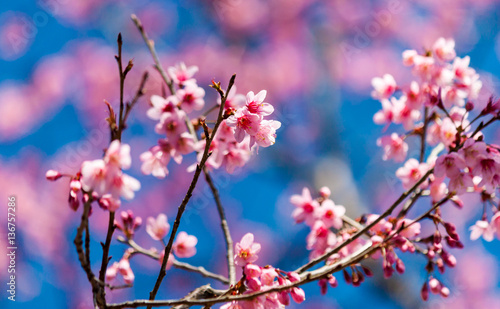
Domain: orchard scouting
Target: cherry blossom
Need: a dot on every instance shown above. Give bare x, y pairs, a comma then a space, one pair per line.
411, 173
185, 245
157, 228
191, 97
181, 74
394, 147
246, 250
384, 86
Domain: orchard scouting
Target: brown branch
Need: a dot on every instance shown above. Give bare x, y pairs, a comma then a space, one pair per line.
138, 94
423, 135
189, 193
151, 46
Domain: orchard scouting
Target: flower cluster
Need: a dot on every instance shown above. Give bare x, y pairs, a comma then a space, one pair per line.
248, 120
229, 148
103, 178
320, 215
258, 278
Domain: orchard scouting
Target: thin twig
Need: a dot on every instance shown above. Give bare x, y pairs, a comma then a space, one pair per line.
151, 46
177, 264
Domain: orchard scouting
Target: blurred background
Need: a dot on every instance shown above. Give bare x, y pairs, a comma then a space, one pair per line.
316, 60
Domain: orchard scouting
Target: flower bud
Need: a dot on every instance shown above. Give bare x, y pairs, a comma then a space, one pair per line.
52, 175
325, 192
298, 295
333, 282
424, 293
323, 285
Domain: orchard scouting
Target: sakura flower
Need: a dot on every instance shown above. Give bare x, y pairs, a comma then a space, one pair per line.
410, 230
394, 147
449, 165
172, 124
266, 136
486, 167
403, 114
244, 122
471, 151
306, 207
482, 228
94, 176
236, 156
123, 185
447, 131
161, 105
118, 155
384, 86
122, 268
320, 237
453, 96
252, 271
246, 250
444, 49
409, 56
185, 245
181, 74
495, 223
155, 160
331, 214
255, 104
438, 189
460, 182
424, 67
412, 172
191, 97
157, 228
268, 276
414, 96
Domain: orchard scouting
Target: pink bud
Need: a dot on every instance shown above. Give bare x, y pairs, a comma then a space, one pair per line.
424, 293
434, 285
323, 285
284, 298
298, 295
253, 284
325, 192
333, 282
52, 175
445, 292
293, 276
400, 266
368, 271
347, 277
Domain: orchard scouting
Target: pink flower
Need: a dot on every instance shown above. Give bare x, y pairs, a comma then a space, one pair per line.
108, 202
411, 230
409, 56
444, 49
252, 271
191, 97
118, 155
161, 105
482, 228
298, 295
306, 207
331, 214
471, 151
414, 96
453, 96
320, 238
122, 185
173, 124
185, 245
266, 136
255, 104
122, 268
157, 228
394, 147
180, 74
384, 86
486, 166
460, 183
411, 173
449, 164
246, 250
244, 122
156, 159
94, 176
